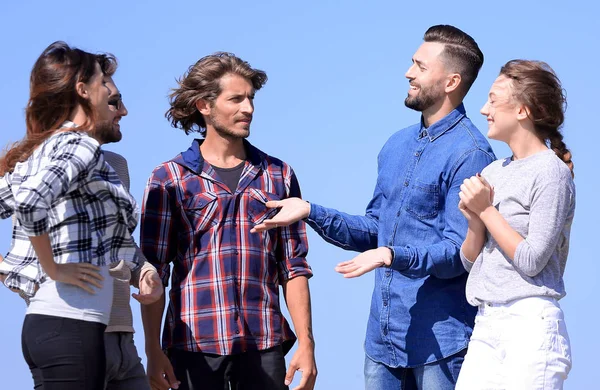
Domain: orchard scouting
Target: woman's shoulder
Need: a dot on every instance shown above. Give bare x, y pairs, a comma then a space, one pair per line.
550, 167
70, 143
72, 136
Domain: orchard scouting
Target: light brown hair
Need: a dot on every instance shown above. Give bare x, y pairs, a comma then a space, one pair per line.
536, 85
202, 81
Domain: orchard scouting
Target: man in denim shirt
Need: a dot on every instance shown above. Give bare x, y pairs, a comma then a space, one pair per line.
411, 233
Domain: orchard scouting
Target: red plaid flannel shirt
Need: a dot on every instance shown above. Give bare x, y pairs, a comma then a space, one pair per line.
224, 296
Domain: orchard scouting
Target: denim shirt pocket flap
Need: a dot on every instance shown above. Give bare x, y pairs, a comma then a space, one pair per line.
423, 200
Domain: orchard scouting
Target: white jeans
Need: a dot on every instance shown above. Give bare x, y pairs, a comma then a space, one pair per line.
522, 344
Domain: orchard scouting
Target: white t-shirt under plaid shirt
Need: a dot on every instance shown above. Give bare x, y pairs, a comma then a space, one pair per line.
66, 189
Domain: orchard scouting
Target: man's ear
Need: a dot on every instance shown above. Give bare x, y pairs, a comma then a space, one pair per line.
203, 107
453, 82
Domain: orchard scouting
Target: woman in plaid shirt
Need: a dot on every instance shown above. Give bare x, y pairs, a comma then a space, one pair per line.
74, 218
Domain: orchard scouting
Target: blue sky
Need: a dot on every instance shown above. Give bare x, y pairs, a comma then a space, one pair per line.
335, 94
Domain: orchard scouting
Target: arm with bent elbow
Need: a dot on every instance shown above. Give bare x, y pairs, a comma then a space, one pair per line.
443, 259
551, 206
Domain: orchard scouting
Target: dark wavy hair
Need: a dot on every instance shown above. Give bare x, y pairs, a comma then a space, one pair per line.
53, 96
202, 81
536, 85
461, 53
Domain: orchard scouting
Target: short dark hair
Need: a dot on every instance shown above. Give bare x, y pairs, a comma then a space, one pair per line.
202, 81
461, 53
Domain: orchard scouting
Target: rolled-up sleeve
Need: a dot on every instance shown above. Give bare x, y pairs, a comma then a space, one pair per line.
7, 201
553, 201
293, 243
157, 234
467, 263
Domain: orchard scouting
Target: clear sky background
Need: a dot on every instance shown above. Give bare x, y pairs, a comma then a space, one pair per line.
335, 94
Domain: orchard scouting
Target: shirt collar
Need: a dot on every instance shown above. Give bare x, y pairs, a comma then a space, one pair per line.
440, 127
193, 160
68, 124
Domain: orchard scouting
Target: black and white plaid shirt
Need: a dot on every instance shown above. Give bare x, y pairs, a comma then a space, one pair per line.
67, 190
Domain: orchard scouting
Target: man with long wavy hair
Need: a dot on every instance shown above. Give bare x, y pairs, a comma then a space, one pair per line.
224, 325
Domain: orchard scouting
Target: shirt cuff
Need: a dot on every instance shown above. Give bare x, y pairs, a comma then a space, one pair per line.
400, 258
35, 228
294, 268
317, 214
164, 273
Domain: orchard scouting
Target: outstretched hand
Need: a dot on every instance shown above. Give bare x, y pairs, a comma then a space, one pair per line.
365, 262
291, 210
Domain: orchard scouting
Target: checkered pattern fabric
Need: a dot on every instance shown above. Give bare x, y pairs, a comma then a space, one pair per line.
68, 191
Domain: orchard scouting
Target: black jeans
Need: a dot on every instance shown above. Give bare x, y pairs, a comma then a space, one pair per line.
254, 370
64, 354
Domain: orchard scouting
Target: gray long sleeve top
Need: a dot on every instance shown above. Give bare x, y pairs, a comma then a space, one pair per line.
536, 196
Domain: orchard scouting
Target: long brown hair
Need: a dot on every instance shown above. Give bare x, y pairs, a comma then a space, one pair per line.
53, 96
202, 81
536, 85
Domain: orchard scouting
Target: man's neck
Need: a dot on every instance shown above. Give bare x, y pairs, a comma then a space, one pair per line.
223, 152
438, 111
79, 117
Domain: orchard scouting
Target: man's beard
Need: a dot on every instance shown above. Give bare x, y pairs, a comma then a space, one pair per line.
425, 99
225, 131
106, 133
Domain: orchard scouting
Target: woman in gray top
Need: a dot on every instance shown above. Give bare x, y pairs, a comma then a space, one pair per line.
519, 213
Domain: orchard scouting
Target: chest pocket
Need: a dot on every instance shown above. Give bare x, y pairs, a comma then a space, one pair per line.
257, 209
423, 200
201, 210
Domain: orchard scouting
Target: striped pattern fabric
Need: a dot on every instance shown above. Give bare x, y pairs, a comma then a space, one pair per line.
224, 296
121, 317
67, 190
119, 164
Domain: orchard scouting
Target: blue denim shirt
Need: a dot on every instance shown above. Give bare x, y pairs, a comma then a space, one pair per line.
419, 313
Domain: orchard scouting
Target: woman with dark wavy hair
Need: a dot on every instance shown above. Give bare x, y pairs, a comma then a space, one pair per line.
73, 218
519, 213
